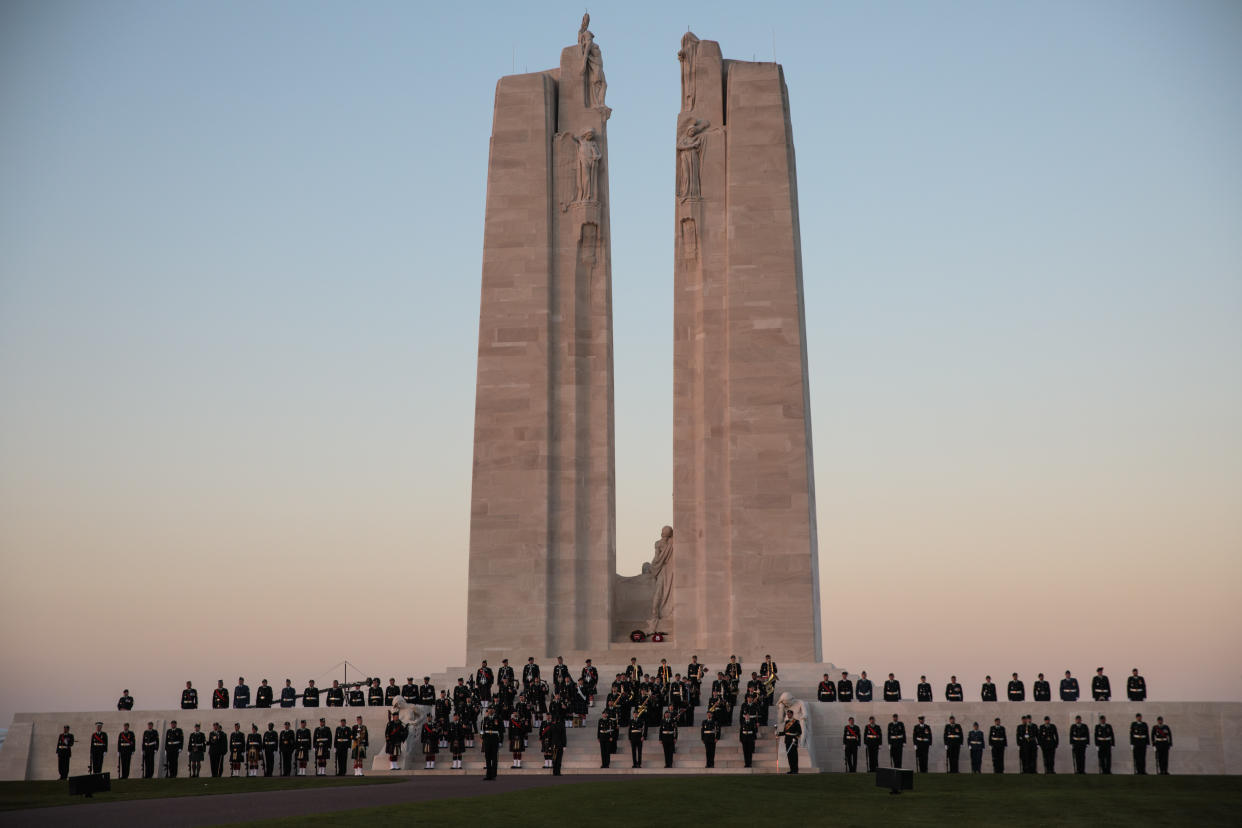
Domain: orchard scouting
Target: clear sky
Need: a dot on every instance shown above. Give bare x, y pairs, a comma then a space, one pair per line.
240, 248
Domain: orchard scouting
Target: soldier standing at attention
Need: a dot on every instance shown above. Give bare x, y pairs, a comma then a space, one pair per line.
638, 733
361, 741
999, 741
922, 744
1027, 737
492, 733
923, 691
953, 690
99, 746
391, 692
303, 742
1048, 741
975, 740
953, 737
1162, 738
530, 673
851, 738
791, 733
287, 742
748, 732
409, 691
174, 739
668, 737
197, 749
310, 696
271, 743
150, 744
241, 694
189, 697
1069, 688
1136, 687
1104, 741
1080, 737
427, 693
237, 750
336, 695
126, 743
710, 733
288, 696
484, 678
263, 696
64, 750
1016, 690
863, 687
356, 697
323, 747
342, 741
375, 695
219, 696
1138, 743
126, 701
896, 740
872, 739
1101, 690
606, 734
217, 746
1042, 691
892, 689
987, 693
845, 688
827, 691
254, 750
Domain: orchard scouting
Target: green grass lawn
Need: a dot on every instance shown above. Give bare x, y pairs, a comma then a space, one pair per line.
834, 799
15, 795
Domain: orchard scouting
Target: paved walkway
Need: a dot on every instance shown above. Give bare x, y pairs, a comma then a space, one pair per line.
218, 809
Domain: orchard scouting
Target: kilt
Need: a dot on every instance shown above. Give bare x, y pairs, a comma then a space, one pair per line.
517, 743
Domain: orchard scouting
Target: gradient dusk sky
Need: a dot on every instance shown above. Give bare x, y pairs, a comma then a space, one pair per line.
240, 248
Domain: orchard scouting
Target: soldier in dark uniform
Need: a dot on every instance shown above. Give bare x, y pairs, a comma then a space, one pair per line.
1027, 737
987, 692
1136, 687
409, 691
1139, 739
241, 694
323, 747
361, 740
1048, 741
263, 696
1069, 688
863, 688
668, 737
1016, 690
197, 749
638, 733
922, 735
126, 701
64, 750
286, 742
189, 697
310, 696
219, 696
341, 741
923, 692
606, 735
892, 689
126, 744
237, 750
150, 746
517, 738
303, 744
747, 732
271, 743
791, 735
427, 693
896, 740
174, 740
1162, 738
99, 746
974, 740
217, 746
872, 739
335, 695
391, 692
395, 734
851, 738
1104, 741
375, 695
254, 750
557, 741
492, 733
484, 678
357, 698
953, 690
1041, 691
999, 741
1101, 690
504, 674
953, 738
845, 688
694, 674
710, 733
1080, 738
530, 673
827, 691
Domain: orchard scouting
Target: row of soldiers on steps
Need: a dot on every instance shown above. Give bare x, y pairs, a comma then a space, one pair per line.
1031, 740
1101, 689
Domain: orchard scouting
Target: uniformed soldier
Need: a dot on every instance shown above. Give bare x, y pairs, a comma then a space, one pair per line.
1016, 690
150, 745
1027, 737
668, 737
64, 750
241, 694
1069, 688
395, 734
517, 737
504, 674
872, 739
734, 671
922, 735
286, 743
953, 738
987, 692
892, 690
219, 696
361, 740
323, 747
638, 733
1101, 690
391, 692
304, 743
1104, 741
356, 696
974, 740
896, 741
288, 696
1139, 739
694, 674
1162, 738
126, 701
237, 750
271, 743
254, 750
126, 744
427, 693
342, 741
1048, 741
827, 691
863, 688
1136, 687
484, 678
747, 733
557, 741
217, 746
791, 734
409, 691
174, 740
1080, 737
492, 733
197, 749
710, 733
953, 690
851, 738
310, 696
263, 696
923, 692
530, 673
999, 741
1041, 691
336, 695
845, 688
605, 734
189, 697
375, 695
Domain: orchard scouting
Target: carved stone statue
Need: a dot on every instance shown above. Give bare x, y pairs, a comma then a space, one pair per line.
592, 66
588, 165
689, 50
662, 571
690, 160
803, 716
412, 715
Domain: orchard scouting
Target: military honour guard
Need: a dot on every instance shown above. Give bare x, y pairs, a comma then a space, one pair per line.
1104, 741
953, 738
1080, 738
851, 738
1049, 738
64, 751
150, 745
1162, 738
197, 748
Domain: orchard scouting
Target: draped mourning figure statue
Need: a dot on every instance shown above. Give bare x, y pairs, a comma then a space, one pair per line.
689, 48
588, 165
690, 160
662, 574
592, 66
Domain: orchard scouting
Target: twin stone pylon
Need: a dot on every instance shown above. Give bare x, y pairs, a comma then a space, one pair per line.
542, 575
